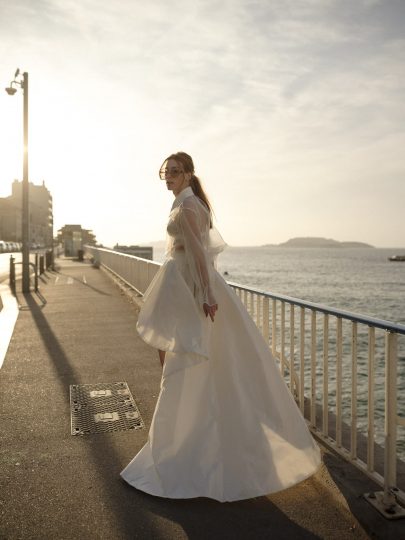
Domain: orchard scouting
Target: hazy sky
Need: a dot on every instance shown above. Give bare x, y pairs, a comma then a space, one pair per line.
293, 110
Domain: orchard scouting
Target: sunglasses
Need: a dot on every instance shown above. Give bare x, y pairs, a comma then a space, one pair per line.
174, 173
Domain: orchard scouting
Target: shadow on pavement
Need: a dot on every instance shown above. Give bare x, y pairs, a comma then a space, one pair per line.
352, 484
138, 515
203, 519
104, 455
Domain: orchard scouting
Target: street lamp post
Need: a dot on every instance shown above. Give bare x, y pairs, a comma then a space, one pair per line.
22, 81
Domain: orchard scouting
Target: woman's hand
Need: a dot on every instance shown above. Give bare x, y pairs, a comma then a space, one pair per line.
210, 310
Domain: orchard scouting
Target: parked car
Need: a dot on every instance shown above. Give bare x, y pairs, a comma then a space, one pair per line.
9, 247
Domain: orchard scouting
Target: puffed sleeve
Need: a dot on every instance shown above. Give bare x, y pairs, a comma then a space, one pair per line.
194, 224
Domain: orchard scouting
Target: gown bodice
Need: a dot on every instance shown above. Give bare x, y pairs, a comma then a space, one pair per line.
192, 241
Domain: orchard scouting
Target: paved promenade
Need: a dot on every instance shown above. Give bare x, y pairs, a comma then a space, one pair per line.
80, 329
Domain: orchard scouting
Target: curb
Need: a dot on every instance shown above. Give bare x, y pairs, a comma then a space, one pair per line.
8, 318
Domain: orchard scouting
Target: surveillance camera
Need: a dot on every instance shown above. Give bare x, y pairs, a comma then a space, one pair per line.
11, 91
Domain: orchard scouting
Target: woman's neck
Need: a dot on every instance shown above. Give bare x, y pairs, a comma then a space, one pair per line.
175, 193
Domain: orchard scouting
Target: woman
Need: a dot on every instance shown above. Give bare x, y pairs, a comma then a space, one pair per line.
225, 424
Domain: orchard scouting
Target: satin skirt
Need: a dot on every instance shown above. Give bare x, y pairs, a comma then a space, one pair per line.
225, 425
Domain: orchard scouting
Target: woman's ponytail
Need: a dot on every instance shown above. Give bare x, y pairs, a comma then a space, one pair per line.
196, 186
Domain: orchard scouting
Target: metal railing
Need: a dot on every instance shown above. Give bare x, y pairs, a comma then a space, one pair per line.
43, 261
322, 353
134, 271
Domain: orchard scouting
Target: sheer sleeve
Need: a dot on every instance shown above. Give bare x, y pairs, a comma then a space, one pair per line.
194, 224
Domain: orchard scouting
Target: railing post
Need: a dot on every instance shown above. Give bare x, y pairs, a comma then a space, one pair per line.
390, 456
313, 369
12, 274
325, 407
353, 424
258, 321
302, 360
282, 345
292, 351
370, 423
265, 326
339, 355
274, 327
36, 279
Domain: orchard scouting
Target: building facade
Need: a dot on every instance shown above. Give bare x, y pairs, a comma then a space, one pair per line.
10, 220
40, 215
73, 238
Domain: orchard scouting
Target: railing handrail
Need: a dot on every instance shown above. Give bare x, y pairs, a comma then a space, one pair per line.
107, 250
390, 326
356, 317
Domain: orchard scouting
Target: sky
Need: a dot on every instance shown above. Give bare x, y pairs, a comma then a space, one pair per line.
293, 111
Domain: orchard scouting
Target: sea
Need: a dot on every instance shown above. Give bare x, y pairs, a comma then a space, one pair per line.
359, 280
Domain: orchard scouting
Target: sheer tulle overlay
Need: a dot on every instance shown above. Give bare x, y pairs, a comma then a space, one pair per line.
225, 424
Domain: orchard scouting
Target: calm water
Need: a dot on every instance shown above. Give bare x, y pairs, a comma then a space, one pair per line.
360, 280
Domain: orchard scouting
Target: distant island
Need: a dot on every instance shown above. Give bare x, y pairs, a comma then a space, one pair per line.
299, 242
318, 242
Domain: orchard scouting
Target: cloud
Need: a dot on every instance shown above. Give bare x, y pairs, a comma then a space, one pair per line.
276, 100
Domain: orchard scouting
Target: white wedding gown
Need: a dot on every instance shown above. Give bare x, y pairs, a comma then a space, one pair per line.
225, 424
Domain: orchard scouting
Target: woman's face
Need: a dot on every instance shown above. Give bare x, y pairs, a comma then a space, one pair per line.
176, 178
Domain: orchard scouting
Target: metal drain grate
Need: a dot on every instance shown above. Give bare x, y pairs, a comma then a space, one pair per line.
98, 408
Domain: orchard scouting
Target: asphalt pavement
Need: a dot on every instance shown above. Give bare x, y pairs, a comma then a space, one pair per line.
80, 329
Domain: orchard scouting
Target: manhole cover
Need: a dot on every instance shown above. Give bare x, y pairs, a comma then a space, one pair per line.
97, 408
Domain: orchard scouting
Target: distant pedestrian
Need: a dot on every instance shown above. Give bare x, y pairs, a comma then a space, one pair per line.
225, 424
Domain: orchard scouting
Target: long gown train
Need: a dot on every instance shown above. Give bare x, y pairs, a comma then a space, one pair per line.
225, 424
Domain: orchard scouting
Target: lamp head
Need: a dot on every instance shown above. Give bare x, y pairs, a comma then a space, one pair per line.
11, 91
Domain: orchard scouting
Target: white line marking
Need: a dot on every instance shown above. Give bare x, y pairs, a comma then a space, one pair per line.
8, 317
56, 279
70, 281
84, 279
